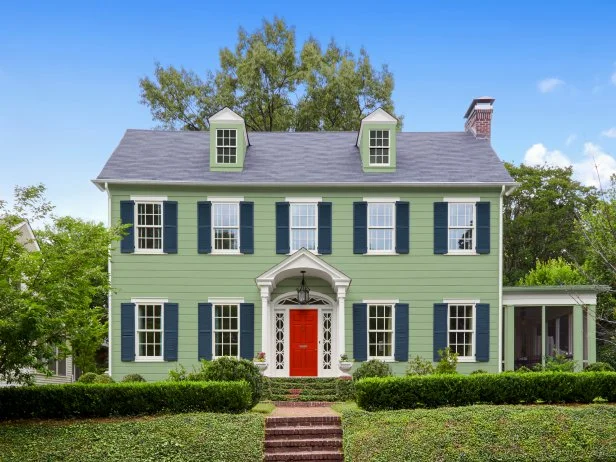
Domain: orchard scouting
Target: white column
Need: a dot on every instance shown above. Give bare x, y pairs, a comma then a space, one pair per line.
341, 332
265, 326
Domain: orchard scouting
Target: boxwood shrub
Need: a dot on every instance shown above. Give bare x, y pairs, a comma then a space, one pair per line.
120, 399
460, 390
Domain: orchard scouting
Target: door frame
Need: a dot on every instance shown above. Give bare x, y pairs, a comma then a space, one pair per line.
317, 338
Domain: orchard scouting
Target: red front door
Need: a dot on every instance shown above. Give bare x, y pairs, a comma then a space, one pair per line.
304, 348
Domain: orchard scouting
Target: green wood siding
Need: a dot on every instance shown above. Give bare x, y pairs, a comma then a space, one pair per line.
418, 278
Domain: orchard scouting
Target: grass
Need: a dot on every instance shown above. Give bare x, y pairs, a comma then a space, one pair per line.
264, 407
481, 433
182, 437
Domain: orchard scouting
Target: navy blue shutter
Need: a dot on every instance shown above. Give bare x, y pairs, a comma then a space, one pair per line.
127, 326
204, 336
170, 224
440, 328
401, 339
441, 221
325, 228
282, 228
482, 324
402, 227
360, 331
170, 316
127, 216
247, 330
483, 227
247, 227
204, 227
360, 227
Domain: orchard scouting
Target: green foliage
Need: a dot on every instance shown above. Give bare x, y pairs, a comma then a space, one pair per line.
459, 390
372, 368
448, 362
606, 353
88, 377
523, 370
103, 378
481, 433
419, 366
599, 367
133, 378
117, 399
345, 389
479, 371
556, 363
554, 272
182, 438
273, 85
178, 374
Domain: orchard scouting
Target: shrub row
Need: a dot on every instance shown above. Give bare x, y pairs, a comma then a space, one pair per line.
118, 399
460, 390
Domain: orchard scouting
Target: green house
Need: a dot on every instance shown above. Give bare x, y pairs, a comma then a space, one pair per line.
377, 244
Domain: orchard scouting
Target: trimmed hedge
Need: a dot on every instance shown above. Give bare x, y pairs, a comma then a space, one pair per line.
121, 399
460, 390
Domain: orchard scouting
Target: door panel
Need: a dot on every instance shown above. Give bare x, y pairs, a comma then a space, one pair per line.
304, 343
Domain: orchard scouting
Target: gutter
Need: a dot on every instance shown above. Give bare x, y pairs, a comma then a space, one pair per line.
109, 307
500, 276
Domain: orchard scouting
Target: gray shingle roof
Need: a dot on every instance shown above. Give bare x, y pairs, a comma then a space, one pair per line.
300, 158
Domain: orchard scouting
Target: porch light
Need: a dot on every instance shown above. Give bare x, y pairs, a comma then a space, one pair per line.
303, 292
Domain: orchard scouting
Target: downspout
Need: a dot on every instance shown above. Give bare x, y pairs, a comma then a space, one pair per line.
500, 280
109, 308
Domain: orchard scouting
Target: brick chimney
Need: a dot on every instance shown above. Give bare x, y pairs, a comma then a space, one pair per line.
479, 118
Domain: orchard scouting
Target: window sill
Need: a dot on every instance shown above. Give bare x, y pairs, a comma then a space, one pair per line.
148, 252
149, 360
467, 360
462, 253
222, 252
314, 252
386, 252
380, 358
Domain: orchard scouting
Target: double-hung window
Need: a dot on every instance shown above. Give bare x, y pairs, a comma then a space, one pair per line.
149, 325
57, 366
461, 331
380, 331
226, 146
149, 235
379, 147
303, 227
381, 227
225, 227
226, 330
461, 228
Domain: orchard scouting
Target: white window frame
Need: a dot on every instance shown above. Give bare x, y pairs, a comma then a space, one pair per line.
294, 201
226, 301
391, 303
224, 201
56, 362
223, 146
371, 164
462, 200
150, 301
378, 201
473, 303
158, 200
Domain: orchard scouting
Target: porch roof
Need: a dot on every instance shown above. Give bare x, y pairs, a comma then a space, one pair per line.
552, 295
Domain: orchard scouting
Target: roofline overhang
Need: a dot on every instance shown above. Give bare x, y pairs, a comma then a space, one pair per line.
594, 289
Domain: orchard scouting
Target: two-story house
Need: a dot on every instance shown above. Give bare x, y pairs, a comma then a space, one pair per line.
378, 244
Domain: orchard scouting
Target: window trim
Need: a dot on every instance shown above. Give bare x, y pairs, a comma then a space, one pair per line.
216, 147
462, 200
149, 200
225, 201
473, 303
388, 164
226, 301
150, 301
304, 201
392, 203
392, 303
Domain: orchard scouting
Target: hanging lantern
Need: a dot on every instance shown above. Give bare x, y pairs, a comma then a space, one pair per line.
303, 292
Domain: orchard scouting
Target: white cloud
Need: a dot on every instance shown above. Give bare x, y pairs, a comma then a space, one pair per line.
614, 78
595, 168
549, 85
610, 133
570, 139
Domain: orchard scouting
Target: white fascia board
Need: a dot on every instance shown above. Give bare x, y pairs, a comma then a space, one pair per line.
461, 199
382, 200
148, 198
303, 200
225, 198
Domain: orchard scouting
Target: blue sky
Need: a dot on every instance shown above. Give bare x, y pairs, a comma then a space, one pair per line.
69, 75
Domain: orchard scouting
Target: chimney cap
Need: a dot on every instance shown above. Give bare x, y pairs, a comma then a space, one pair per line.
482, 99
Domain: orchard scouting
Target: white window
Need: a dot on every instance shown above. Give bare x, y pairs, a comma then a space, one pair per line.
461, 330
57, 366
226, 146
380, 331
226, 227
379, 147
461, 237
149, 330
303, 226
149, 235
381, 226
226, 330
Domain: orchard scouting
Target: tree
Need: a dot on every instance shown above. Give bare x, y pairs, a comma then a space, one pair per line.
554, 272
540, 217
272, 85
49, 299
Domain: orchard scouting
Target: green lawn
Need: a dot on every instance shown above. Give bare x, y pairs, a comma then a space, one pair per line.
481, 433
197, 436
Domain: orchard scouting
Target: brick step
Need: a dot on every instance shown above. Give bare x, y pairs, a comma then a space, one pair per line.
297, 456
303, 404
306, 444
304, 431
303, 380
305, 391
291, 397
301, 421
313, 386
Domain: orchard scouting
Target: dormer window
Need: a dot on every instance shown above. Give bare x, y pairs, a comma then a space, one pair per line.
226, 146
379, 147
